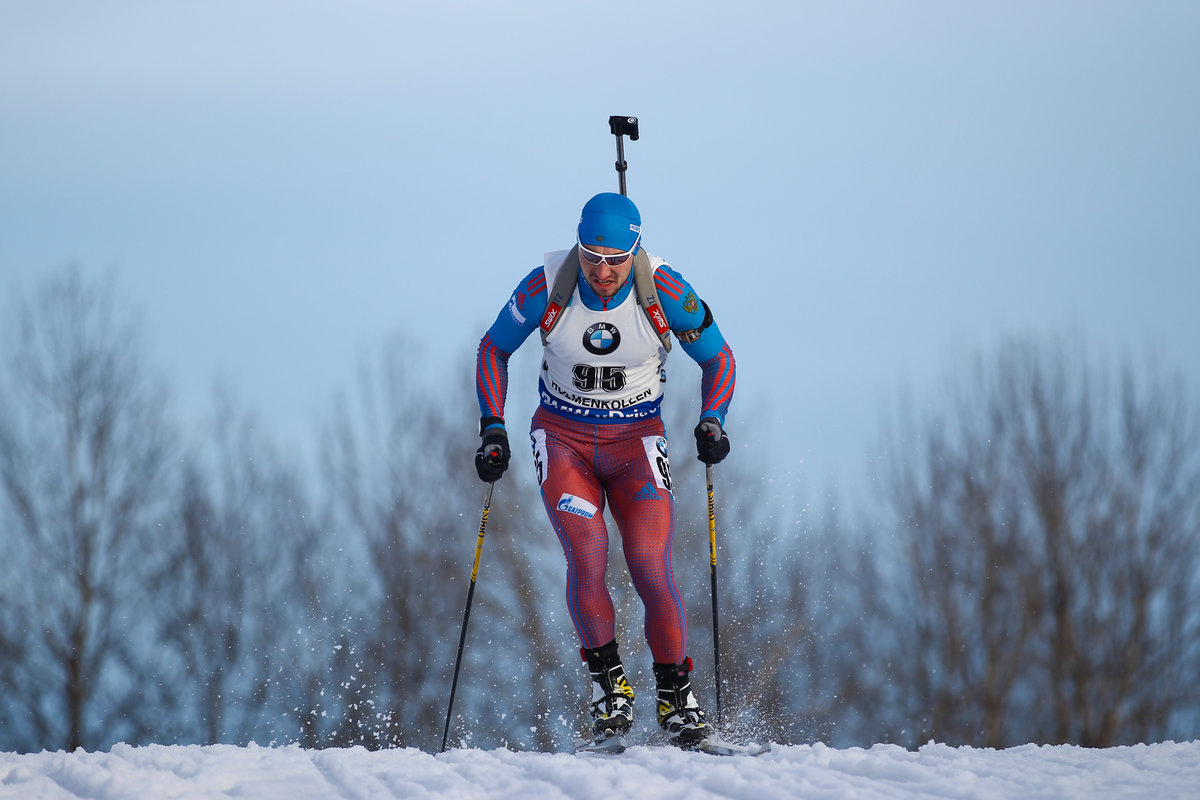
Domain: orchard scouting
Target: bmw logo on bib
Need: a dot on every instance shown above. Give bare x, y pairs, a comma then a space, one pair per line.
601, 338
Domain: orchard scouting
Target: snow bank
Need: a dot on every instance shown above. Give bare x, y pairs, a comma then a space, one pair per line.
815, 772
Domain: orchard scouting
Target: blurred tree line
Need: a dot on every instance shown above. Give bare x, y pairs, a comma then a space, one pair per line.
1028, 572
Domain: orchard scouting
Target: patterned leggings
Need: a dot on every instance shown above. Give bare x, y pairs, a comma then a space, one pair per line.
580, 465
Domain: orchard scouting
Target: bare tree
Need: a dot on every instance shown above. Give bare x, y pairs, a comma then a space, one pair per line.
85, 461
1043, 584
396, 469
251, 593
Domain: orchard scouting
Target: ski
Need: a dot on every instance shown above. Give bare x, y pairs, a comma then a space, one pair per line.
604, 745
716, 746
713, 746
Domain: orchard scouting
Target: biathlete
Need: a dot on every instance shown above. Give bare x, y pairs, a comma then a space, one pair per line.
598, 438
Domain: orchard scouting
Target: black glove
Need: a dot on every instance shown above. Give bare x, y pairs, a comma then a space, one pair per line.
712, 444
491, 459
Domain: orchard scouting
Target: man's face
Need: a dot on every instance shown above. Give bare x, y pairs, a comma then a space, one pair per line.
605, 278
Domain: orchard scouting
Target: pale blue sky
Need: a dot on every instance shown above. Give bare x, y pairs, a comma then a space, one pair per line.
865, 192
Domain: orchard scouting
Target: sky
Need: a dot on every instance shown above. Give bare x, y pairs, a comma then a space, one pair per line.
866, 193
814, 772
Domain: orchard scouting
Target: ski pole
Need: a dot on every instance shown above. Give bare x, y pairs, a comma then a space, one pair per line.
622, 126
712, 572
462, 637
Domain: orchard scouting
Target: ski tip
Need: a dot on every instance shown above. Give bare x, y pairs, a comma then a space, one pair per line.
609, 746
714, 746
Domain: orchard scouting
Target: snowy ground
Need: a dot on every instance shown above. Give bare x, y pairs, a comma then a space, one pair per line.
1158, 771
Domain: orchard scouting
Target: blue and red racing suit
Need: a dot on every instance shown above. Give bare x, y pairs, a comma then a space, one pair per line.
598, 435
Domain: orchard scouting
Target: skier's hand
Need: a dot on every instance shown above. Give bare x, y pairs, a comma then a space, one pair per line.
491, 459
712, 445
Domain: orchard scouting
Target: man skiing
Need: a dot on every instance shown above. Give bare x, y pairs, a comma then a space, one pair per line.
598, 437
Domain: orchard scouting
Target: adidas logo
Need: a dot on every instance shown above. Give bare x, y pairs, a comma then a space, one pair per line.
647, 492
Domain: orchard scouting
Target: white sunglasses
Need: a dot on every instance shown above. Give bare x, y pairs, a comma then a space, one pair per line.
615, 260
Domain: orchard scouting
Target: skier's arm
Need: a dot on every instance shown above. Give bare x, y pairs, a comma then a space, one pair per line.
511, 328
717, 382
519, 318
701, 340
491, 377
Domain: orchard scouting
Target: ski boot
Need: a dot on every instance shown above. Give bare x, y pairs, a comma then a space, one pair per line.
678, 712
612, 697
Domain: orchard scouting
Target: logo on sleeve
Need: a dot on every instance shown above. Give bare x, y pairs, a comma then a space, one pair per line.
515, 307
601, 338
577, 506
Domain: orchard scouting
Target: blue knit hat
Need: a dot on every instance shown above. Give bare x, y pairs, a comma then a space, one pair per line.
610, 220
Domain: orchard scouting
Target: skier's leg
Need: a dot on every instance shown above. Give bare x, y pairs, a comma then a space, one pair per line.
640, 493
574, 502
643, 506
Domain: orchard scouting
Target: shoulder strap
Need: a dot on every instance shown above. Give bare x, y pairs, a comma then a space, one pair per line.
560, 292
643, 286
647, 297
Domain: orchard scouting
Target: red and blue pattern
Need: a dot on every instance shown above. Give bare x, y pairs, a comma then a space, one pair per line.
491, 377
599, 463
716, 384
670, 284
